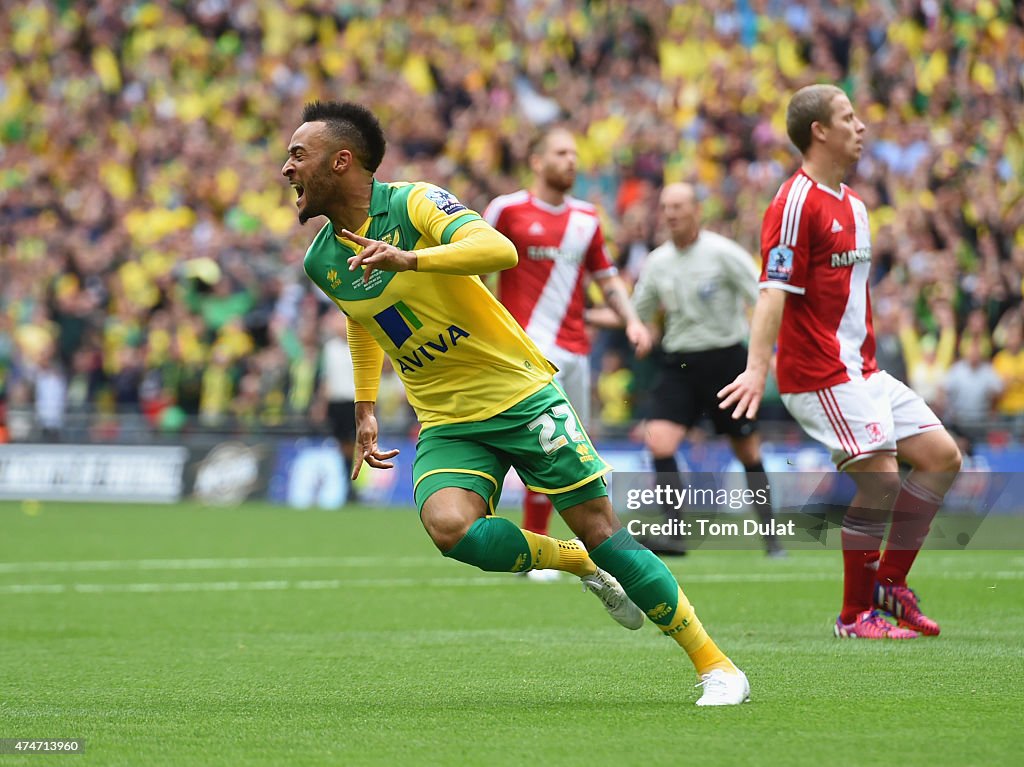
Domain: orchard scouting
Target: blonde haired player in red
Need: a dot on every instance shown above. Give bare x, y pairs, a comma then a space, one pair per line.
560, 245
816, 254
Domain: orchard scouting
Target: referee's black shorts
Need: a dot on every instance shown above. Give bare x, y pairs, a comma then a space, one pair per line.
688, 385
341, 415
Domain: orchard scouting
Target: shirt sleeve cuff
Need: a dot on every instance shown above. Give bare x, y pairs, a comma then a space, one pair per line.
771, 284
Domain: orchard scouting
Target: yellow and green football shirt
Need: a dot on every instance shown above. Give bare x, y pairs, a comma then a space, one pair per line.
460, 354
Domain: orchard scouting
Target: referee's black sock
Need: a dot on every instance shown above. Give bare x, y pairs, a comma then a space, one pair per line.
666, 465
668, 473
757, 481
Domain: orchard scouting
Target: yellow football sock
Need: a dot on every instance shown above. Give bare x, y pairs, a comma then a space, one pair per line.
552, 554
685, 627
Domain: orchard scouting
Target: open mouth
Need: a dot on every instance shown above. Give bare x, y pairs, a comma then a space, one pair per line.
300, 192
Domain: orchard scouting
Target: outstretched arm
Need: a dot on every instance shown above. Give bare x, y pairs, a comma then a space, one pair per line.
746, 391
475, 248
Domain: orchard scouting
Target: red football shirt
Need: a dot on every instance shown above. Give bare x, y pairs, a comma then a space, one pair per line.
558, 247
816, 245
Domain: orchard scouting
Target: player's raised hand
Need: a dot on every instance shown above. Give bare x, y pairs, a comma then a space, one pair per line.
366, 449
745, 393
377, 254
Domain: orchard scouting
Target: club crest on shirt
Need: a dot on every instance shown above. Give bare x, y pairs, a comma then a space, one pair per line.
446, 202
780, 263
875, 432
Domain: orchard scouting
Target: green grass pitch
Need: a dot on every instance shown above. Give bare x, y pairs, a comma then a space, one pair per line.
264, 636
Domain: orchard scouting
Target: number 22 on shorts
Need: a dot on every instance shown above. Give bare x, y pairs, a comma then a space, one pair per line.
547, 425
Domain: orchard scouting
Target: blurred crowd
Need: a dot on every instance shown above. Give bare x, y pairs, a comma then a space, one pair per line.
150, 260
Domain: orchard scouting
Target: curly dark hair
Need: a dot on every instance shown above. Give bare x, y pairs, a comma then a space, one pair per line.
353, 125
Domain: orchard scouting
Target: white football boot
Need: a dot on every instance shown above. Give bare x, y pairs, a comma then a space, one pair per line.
724, 688
614, 599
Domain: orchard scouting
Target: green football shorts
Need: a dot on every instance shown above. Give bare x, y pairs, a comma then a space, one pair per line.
540, 436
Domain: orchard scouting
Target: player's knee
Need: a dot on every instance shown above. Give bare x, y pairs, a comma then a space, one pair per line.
943, 457
748, 450
595, 537
593, 522
884, 487
942, 466
876, 490
662, 440
445, 525
948, 459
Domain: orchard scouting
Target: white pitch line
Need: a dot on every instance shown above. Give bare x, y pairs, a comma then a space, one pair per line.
494, 580
809, 561
239, 563
171, 588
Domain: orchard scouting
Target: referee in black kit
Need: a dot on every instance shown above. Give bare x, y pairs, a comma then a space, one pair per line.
702, 284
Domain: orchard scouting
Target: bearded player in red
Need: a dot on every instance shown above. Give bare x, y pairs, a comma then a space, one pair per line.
816, 255
560, 246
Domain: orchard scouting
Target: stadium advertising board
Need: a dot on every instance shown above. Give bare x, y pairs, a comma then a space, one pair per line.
229, 472
92, 473
309, 473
